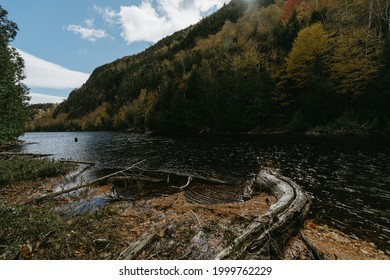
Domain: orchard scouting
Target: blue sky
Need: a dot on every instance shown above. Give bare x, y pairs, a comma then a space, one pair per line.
63, 41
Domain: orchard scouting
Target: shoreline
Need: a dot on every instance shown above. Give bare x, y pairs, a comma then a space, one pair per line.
129, 215
312, 132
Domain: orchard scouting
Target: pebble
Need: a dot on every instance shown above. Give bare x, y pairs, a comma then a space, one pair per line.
364, 251
354, 236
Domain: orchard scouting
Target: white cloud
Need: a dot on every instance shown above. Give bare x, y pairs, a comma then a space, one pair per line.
44, 74
108, 14
89, 22
38, 98
152, 20
89, 33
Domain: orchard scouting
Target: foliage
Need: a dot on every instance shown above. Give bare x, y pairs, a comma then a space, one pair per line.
355, 61
13, 93
311, 49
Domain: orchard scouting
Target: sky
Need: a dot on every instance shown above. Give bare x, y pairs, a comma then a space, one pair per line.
63, 41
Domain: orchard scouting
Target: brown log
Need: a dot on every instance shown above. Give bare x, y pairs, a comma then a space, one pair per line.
266, 235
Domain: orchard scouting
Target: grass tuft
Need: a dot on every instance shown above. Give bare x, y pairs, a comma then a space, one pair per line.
22, 169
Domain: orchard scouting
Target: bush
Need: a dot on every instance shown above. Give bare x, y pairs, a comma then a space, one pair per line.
298, 123
350, 119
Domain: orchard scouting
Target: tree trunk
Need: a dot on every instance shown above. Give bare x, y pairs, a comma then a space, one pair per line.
266, 236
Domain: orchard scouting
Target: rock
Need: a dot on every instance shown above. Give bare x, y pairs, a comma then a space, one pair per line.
353, 236
364, 251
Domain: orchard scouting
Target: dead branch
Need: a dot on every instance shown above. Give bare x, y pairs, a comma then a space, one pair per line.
138, 178
77, 162
171, 177
193, 213
54, 195
134, 249
186, 185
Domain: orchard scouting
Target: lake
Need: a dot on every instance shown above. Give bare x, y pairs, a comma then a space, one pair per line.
348, 177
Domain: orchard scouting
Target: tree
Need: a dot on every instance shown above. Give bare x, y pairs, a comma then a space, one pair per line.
311, 48
289, 7
13, 93
355, 62
308, 68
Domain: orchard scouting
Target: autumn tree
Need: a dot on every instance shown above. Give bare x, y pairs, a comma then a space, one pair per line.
142, 107
311, 48
355, 62
13, 93
289, 7
308, 68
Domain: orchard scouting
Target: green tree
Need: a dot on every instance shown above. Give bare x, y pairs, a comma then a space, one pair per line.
13, 93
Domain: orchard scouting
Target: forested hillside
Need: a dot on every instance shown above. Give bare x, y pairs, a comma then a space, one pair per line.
253, 66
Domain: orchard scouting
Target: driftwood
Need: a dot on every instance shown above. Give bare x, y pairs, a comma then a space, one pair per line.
263, 238
185, 186
266, 235
139, 182
137, 178
54, 195
159, 176
173, 177
77, 162
134, 249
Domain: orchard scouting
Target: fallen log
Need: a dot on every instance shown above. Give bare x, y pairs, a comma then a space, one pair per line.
78, 162
54, 195
266, 235
174, 177
134, 249
263, 238
136, 178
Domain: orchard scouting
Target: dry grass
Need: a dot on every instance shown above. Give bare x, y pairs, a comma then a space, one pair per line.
330, 244
337, 245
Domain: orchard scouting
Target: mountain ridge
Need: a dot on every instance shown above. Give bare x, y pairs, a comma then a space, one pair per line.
251, 66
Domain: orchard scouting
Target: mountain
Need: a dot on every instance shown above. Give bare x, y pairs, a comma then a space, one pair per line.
253, 66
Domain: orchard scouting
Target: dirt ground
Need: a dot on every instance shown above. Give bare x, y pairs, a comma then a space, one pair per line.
336, 245
182, 230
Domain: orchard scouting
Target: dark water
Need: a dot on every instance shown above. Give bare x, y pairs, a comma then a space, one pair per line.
349, 178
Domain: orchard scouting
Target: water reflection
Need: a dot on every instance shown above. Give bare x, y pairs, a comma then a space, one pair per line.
348, 177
